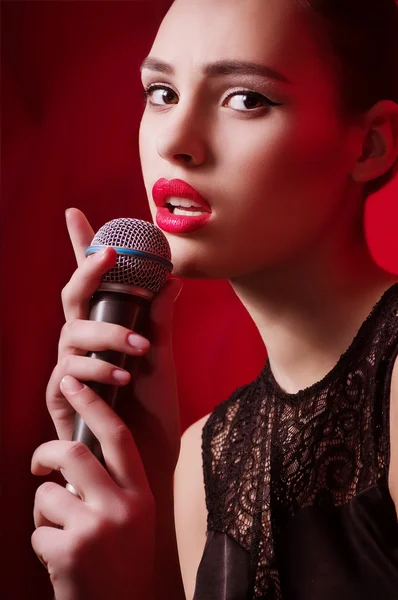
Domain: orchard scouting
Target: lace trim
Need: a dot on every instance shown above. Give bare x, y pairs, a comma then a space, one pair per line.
362, 335
266, 455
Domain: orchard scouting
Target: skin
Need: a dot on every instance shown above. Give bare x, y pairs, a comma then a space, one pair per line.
124, 515
287, 234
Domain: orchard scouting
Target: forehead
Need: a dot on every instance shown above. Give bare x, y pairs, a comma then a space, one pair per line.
274, 32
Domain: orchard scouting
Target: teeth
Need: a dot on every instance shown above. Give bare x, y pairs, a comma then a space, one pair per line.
187, 213
182, 202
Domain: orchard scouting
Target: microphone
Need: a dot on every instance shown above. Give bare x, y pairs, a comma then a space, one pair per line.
124, 297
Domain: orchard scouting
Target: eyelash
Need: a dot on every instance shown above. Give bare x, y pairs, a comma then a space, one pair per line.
267, 103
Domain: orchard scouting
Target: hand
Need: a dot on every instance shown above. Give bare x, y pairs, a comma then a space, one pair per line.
106, 547
150, 402
152, 414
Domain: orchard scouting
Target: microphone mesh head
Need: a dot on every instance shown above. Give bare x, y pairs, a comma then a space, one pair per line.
136, 271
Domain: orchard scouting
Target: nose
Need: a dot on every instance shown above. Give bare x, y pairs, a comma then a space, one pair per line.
182, 140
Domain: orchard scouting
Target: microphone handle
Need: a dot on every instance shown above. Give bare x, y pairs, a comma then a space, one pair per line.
129, 311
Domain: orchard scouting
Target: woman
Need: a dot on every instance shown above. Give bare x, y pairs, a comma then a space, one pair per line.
274, 121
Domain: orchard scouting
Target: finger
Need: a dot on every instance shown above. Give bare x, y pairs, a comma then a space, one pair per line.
85, 369
49, 544
62, 413
54, 505
119, 450
80, 232
77, 294
80, 336
90, 369
77, 464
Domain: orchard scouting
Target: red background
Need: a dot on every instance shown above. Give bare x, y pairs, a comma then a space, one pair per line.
71, 105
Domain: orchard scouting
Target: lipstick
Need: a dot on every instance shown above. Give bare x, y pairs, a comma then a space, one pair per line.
180, 208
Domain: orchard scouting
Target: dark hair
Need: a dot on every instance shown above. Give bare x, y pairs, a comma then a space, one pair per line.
363, 35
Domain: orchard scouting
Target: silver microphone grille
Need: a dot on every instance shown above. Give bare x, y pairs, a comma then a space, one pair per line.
143, 272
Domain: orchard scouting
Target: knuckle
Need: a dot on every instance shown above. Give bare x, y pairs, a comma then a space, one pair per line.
70, 297
77, 451
49, 394
65, 293
65, 363
125, 512
67, 328
50, 399
121, 434
50, 384
34, 537
134, 506
124, 516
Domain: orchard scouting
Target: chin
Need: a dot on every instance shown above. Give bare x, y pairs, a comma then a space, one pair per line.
204, 259
188, 266
200, 265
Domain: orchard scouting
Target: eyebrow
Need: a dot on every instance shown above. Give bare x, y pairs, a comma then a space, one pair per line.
219, 68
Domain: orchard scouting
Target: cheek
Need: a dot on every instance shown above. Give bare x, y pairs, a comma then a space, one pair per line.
147, 136
302, 136
146, 160
142, 146
276, 183
291, 187
288, 157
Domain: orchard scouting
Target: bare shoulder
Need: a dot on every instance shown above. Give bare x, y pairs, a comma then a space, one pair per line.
190, 505
393, 474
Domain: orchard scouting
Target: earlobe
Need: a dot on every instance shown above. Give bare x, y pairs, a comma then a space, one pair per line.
379, 149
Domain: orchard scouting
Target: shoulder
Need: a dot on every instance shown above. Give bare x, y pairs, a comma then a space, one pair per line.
194, 431
190, 504
190, 457
393, 406
393, 470
191, 448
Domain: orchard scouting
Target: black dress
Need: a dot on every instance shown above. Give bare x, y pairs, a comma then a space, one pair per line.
297, 484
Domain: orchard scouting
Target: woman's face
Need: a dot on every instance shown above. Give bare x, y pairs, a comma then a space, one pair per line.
247, 115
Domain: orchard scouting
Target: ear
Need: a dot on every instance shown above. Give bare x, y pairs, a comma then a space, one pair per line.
379, 143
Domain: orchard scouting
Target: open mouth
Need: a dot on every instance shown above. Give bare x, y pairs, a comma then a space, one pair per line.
185, 207
180, 207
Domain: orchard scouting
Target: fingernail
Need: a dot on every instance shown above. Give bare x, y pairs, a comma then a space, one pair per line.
98, 255
120, 375
101, 253
137, 342
70, 384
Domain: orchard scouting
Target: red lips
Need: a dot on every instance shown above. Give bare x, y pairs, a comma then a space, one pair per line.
171, 223
165, 188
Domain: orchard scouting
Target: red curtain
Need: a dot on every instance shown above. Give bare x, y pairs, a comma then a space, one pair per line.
70, 114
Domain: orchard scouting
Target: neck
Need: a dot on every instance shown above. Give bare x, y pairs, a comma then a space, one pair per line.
308, 311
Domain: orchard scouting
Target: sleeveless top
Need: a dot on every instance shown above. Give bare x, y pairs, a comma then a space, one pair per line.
297, 484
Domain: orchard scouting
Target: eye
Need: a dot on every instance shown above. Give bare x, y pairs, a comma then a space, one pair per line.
160, 95
244, 101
